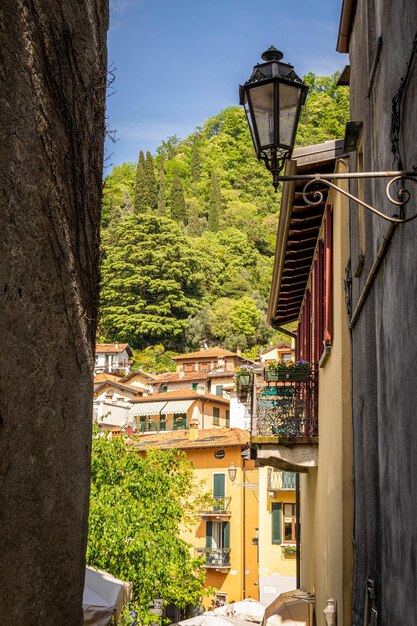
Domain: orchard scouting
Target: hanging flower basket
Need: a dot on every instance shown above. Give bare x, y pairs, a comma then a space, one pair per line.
288, 372
244, 379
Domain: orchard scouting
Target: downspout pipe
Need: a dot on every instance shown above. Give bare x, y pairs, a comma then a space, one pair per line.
297, 531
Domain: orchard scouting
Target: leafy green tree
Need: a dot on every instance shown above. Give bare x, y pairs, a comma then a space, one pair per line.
138, 507
154, 359
162, 206
194, 227
151, 282
151, 187
325, 112
118, 192
178, 206
140, 205
195, 163
215, 203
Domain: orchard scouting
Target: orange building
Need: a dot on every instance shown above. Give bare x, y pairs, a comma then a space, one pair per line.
225, 535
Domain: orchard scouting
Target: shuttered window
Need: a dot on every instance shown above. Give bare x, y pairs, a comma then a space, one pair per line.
216, 417
276, 522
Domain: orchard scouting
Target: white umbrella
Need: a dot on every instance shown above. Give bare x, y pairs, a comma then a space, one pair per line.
211, 619
104, 597
249, 610
289, 609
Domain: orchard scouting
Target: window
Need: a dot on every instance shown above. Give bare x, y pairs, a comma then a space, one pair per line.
286, 357
164, 388
180, 421
227, 418
289, 523
216, 417
204, 367
189, 367
194, 386
276, 514
219, 390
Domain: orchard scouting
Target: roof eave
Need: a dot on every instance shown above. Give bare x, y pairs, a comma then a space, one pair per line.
345, 27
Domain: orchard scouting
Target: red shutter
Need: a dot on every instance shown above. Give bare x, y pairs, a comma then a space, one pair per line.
328, 313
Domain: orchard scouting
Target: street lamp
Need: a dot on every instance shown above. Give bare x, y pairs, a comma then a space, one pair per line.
232, 471
272, 98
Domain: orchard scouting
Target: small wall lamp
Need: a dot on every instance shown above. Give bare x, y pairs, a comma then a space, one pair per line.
330, 612
232, 471
272, 98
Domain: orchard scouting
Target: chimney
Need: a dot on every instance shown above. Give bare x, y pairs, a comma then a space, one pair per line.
193, 429
181, 372
116, 345
238, 351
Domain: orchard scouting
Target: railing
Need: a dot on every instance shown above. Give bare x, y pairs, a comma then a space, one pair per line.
280, 481
221, 506
151, 426
214, 557
288, 409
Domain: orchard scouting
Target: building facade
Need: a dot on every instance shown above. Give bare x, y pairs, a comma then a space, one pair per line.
380, 38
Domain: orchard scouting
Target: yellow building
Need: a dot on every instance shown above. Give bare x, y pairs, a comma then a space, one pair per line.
226, 533
277, 566
308, 430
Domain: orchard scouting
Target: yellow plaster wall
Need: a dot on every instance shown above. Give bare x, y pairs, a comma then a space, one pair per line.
234, 583
271, 559
326, 491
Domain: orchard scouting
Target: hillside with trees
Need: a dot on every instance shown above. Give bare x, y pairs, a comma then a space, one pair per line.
188, 234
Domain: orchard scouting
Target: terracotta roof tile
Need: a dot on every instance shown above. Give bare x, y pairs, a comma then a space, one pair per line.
210, 352
184, 394
107, 348
175, 377
208, 438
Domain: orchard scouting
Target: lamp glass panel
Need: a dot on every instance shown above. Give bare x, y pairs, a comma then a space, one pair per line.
288, 107
262, 98
249, 118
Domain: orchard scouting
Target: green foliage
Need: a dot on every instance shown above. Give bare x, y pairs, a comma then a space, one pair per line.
151, 187
225, 216
178, 206
151, 282
140, 185
138, 507
154, 359
215, 204
326, 111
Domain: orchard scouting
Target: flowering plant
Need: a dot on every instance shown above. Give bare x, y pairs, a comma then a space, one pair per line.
303, 366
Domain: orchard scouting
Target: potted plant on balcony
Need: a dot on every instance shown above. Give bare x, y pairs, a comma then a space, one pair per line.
289, 550
287, 371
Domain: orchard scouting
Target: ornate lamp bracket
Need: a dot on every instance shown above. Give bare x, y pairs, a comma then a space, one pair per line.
396, 184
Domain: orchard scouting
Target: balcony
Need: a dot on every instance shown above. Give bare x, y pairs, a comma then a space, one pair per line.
285, 434
280, 481
156, 426
216, 558
220, 508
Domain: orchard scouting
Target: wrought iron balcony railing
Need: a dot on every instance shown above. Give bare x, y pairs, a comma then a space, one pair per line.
280, 481
215, 557
288, 409
221, 506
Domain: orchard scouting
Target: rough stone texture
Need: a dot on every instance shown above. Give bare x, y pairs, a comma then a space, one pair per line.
384, 340
52, 87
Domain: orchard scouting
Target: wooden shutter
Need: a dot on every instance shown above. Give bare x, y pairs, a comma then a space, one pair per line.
219, 485
226, 535
209, 534
277, 522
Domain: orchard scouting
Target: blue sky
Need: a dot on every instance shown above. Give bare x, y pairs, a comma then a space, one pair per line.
178, 62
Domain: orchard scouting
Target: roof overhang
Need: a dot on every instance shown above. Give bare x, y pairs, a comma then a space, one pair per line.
298, 230
346, 23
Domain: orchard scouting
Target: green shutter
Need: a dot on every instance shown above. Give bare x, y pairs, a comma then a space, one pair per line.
219, 485
209, 534
194, 386
277, 522
226, 535
227, 418
219, 390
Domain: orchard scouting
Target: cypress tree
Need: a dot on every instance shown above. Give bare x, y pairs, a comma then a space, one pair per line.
140, 205
194, 225
162, 205
151, 188
178, 206
195, 163
215, 203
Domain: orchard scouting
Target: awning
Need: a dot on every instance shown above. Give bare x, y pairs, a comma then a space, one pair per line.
165, 407
146, 408
178, 406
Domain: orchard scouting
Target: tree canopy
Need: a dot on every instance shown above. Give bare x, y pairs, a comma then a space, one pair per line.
219, 201
138, 507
